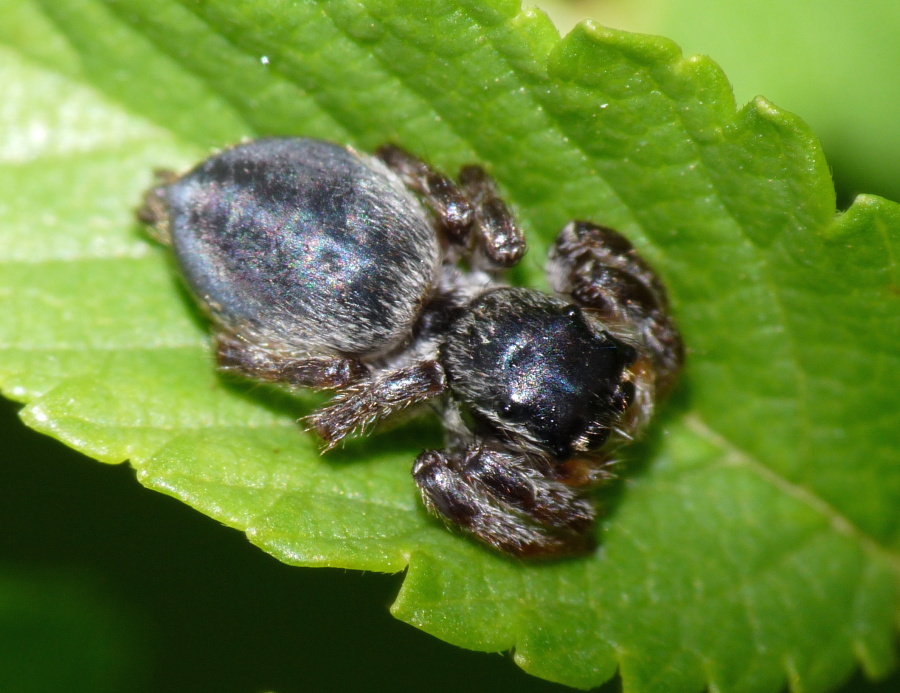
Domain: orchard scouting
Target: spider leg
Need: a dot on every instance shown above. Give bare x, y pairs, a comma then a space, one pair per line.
599, 269
499, 243
453, 210
514, 503
471, 214
250, 360
366, 401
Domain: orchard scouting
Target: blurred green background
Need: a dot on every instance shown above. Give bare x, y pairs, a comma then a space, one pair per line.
105, 586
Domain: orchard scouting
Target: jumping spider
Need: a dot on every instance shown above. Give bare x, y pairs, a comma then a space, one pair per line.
379, 278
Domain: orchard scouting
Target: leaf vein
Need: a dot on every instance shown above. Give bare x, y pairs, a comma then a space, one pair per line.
838, 522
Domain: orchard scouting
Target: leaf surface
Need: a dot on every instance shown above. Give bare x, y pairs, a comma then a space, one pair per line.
841, 55
755, 541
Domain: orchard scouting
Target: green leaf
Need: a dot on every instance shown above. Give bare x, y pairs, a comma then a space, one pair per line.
830, 61
756, 540
842, 58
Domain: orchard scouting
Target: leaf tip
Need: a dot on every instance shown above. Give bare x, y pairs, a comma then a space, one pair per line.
643, 48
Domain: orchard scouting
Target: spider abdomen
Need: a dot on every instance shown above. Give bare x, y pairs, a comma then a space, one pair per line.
304, 243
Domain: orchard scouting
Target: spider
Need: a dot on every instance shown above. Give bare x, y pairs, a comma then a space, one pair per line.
380, 278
